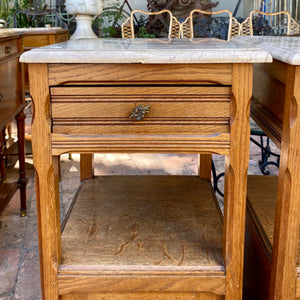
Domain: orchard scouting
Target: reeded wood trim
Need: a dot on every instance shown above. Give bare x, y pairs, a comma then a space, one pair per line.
236, 166
268, 91
142, 296
212, 74
267, 122
141, 143
183, 93
47, 189
106, 110
182, 128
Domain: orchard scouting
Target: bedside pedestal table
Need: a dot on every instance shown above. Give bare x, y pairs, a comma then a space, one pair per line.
142, 237
274, 202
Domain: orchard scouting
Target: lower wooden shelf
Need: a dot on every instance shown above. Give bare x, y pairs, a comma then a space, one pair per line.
13, 149
261, 206
7, 191
143, 234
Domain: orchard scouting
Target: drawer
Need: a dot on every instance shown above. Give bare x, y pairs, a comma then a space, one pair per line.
170, 109
8, 48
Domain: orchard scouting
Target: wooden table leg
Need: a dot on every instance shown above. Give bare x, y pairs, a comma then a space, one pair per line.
86, 166
205, 166
2, 159
47, 186
22, 181
236, 166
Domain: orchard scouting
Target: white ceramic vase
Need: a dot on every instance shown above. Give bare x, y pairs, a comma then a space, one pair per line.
85, 11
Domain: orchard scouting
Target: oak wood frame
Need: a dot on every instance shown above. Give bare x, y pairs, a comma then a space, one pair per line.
276, 112
44, 143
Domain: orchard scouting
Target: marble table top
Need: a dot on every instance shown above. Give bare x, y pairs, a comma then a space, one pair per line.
147, 51
285, 49
25, 30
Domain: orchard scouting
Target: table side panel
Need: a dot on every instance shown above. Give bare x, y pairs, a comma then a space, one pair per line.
269, 85
211, 74
268, 90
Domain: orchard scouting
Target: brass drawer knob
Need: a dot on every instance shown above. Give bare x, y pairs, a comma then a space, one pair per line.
139, 112
7, 50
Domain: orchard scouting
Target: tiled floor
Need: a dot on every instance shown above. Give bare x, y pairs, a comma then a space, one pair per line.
19, 262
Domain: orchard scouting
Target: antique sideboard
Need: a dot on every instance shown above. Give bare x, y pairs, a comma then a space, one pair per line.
142, 237
37, 37
13, 85
12, 103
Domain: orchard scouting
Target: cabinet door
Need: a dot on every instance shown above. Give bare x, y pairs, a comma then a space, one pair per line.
10, 99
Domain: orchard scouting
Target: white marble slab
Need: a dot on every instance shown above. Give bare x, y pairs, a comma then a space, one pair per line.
24, 30
285, 49
148, 51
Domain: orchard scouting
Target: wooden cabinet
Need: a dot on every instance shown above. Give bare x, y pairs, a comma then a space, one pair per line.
12, 104
13, 82
142, 237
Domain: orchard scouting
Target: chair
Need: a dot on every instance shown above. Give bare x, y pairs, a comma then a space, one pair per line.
187, 30
261, 23
37, 18
207, 23
173, 26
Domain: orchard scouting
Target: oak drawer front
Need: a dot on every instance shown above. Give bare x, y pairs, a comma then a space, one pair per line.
107, 110
8, 48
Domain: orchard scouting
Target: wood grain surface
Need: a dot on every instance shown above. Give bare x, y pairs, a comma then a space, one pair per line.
136, 234
149, 227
